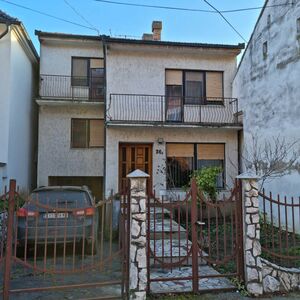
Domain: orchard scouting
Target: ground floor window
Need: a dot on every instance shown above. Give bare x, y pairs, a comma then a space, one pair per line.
183, 159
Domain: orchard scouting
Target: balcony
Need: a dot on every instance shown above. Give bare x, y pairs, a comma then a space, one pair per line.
168, 110
71, 88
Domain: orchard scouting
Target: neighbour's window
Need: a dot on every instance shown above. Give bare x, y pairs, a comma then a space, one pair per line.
212, 155
180, 162
265, 49
87, 133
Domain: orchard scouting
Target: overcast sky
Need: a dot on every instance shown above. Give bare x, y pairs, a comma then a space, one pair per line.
119, 20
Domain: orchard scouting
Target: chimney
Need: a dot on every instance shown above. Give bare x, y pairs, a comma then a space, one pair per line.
156, 30
147, 36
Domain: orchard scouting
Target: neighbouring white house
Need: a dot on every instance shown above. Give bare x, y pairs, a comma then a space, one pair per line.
267, 84
71, 111
18, 113
169, 111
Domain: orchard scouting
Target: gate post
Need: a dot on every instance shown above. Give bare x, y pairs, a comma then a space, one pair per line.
137, 244
9, 239
195, 247
252, 247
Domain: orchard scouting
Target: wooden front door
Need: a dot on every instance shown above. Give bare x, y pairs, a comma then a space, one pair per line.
132, 157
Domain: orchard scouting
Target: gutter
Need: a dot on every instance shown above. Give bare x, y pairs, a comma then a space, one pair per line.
5, 32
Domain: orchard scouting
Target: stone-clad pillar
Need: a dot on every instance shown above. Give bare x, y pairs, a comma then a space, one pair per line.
138, 258
252, 247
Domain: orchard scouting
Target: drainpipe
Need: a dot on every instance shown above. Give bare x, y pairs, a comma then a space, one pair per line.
105, 97
5, 31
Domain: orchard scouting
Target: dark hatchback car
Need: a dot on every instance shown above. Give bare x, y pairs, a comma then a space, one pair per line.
59, 215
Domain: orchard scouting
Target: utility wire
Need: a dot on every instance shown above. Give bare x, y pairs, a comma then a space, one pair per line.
225, 20
46, 14
189, 9
81, 16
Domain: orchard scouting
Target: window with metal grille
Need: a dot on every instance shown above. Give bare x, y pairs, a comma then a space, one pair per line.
87, 133
183, 159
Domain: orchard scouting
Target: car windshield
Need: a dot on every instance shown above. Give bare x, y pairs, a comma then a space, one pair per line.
62, 198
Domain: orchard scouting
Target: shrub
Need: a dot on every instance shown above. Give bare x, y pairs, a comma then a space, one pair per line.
206, 180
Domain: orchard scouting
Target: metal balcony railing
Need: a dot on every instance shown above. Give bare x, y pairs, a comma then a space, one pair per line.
132, 108
60, 87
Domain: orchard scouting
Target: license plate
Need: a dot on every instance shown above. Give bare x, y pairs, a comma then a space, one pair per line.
56, 215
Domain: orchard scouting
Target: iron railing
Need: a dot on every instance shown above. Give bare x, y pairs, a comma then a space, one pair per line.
280, 229
57, 87
62, 247
168, 109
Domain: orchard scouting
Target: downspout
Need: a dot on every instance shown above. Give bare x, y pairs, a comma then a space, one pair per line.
5, 31
105, 107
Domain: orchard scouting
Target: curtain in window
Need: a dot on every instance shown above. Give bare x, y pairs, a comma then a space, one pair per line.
174, 95
180, 160
194, 87
80, 71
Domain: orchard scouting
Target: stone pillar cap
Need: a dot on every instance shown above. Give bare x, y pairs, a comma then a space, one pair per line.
248, 175
137, 174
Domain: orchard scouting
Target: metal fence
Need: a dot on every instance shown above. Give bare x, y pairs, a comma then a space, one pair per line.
164, 109
62, 247
280, 230
195, 242
72, 87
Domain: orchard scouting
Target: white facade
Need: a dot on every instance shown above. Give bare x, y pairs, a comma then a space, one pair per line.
59, 102
18, 61
267, 84
140, 69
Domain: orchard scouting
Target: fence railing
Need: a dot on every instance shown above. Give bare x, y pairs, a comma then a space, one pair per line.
63, 240
280, 229
89, 88
161, 109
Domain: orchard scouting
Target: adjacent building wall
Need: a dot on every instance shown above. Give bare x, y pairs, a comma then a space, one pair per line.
268, 85
17, 112
55, 156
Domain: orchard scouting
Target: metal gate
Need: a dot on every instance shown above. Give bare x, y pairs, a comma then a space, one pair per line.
194, 244
61, 248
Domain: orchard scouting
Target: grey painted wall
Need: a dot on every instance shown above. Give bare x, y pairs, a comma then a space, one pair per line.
268, 86
55, 157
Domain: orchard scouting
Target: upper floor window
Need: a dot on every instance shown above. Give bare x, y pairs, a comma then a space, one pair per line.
194, 87
89, 72
87, 133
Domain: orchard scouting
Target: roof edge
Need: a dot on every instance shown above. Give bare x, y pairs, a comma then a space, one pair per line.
108, 39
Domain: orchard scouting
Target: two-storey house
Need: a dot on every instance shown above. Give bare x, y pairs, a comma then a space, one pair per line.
71, 111
108, 106
169, 110
18, 113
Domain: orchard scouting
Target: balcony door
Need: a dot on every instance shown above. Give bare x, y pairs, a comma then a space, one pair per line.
132, 157
174, 96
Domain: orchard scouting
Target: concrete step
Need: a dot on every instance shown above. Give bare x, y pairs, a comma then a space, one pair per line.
166, 229
172, 251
